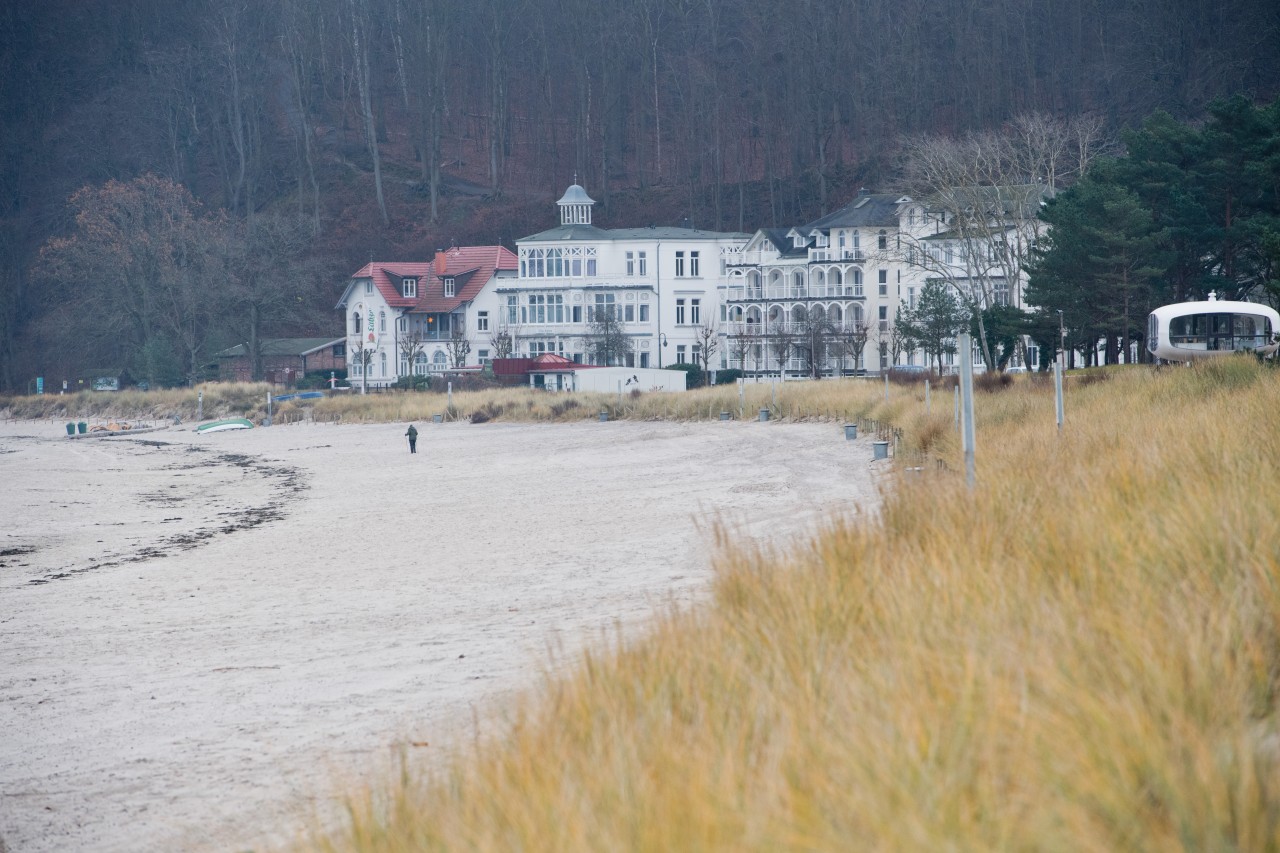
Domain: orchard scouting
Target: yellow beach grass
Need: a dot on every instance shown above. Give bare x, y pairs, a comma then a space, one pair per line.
1080, 654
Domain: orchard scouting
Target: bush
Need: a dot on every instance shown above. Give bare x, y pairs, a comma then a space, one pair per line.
693, 374
320, 378
992, 381
728, 377
413, 383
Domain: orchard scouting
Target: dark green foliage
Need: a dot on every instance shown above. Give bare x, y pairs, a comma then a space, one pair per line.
1187, 211
728, 377
934, 322
693, 374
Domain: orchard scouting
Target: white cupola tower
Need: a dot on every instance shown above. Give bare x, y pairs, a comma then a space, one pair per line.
575, 206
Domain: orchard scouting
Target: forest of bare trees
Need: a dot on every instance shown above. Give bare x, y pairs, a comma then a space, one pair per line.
393, 127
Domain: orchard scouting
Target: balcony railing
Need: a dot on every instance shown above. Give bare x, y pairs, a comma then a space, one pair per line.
827, 291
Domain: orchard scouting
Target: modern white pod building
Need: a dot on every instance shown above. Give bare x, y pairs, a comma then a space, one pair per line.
1191, 331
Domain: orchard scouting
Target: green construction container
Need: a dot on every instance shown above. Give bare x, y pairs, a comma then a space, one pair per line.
82, 427
71, 429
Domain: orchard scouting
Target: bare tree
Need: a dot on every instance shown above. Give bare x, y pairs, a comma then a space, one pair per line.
741, 345
360, 29
360, 354
412, 345
708, 338
812, 337
606, 341
503, 341
782, 341
459, 346
852, 340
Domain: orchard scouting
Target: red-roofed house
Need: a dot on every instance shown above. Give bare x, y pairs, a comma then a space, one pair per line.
420, 318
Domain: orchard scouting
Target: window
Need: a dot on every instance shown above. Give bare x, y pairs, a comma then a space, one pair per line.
640, 262
382, 321
410, 289
482, 321
857, 282
629, 314
591, 265
693, 265
631, 263
355, 323
695, 311
882, 241
884, 282
680, 356
448, 287
679, 263
382, 364
482, 355
368, 286
605, 302
511, 310
438, 359
911, 216
577, 313
644, 315
644, 359
402, 323
679, 312
950, 254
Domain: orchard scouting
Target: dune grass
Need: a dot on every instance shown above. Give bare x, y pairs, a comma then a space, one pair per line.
1080, 654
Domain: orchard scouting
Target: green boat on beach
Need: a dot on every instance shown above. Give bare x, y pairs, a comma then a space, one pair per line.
225, 424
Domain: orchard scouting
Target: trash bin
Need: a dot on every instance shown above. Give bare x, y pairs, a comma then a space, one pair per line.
724, 416
881, 449
71, 429
82, 427
850, 431
604, 415
764, 414
435, 419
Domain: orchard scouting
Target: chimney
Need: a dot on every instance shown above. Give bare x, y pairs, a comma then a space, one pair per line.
442, 262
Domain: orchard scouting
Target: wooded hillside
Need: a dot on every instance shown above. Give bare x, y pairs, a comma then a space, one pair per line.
391, 128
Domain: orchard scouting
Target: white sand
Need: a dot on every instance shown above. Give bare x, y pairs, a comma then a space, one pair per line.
211, 636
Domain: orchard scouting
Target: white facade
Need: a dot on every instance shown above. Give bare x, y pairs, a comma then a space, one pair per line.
664, 285
856, 268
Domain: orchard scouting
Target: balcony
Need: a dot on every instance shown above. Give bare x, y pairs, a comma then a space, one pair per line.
762, 294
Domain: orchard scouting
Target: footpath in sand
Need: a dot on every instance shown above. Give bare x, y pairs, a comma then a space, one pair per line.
204, 638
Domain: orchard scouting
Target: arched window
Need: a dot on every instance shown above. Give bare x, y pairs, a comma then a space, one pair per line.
383, 363
438, 359
420, 364
355, 323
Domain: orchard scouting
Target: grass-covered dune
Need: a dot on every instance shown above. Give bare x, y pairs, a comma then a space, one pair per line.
1080, 654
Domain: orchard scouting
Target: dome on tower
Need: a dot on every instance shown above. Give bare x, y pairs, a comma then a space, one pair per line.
575, 206
575, 195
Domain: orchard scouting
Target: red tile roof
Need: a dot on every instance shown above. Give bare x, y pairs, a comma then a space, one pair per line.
470, 267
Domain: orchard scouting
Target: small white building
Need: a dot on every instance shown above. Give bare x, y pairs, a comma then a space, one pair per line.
421, 318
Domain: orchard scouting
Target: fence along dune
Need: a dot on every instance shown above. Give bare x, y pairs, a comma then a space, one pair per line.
1080, 654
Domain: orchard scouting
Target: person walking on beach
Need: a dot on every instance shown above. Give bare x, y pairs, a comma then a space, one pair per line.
413, 438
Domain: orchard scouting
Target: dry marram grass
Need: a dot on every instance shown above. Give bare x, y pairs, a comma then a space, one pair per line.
1079, 655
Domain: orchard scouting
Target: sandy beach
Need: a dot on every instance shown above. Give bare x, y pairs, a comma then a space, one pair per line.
205, 639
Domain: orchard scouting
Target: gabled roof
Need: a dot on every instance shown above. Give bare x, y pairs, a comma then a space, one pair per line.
867, 210
282, 346
388, 278
470, 267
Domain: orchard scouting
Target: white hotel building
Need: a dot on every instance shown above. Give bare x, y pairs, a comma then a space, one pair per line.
663, 283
